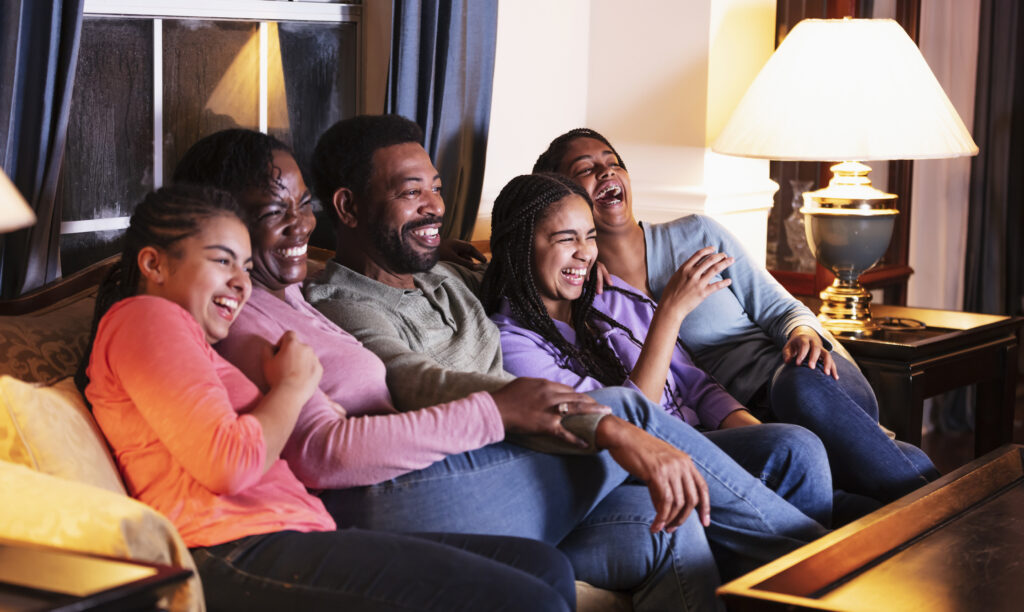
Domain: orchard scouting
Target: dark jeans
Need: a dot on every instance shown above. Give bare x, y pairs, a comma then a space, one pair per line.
354, 569
844, 414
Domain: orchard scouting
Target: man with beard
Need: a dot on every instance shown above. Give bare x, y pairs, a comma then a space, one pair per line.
386, 287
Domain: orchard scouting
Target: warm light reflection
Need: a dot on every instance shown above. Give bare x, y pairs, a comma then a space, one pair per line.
240, 85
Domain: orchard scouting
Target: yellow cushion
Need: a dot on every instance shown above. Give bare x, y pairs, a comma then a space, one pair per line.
50, 430
42, 509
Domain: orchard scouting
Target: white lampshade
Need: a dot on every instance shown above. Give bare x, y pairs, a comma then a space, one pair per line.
845, 89
14, 211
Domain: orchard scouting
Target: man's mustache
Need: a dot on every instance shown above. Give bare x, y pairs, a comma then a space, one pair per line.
412, 225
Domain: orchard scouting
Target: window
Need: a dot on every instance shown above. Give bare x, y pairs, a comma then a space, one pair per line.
152, 79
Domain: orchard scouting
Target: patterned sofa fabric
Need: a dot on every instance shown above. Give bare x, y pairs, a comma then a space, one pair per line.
47, 345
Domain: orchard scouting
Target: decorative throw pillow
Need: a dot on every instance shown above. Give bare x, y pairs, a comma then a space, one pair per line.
50, 430
42, 509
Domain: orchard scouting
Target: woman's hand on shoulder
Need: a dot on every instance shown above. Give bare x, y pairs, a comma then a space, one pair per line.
537, 406
293, 364
462, 253
675, 484
805, 344
691, 283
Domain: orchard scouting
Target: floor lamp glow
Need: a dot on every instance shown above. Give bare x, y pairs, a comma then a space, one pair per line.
14, 212
846, 90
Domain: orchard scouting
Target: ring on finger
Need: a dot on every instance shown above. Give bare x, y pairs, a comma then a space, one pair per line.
562, 409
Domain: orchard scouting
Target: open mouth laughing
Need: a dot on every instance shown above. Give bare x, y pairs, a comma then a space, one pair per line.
574, 276
609, 194
227, 306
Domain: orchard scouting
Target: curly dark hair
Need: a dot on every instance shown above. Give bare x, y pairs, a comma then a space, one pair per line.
522, 204
343, 156
233, 160
163, 218
551, 159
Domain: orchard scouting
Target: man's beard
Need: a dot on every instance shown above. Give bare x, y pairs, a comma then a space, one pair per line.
398, 253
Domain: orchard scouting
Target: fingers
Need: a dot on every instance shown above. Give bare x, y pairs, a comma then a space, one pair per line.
587, 406
474, 253
812, 355
829, 365
604, 277
704, 502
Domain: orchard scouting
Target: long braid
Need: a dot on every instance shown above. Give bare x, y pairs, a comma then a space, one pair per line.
523, 203
162, 219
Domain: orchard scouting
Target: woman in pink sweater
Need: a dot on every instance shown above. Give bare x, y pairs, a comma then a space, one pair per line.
198, 441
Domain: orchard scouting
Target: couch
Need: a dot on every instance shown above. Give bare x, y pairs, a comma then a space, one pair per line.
55, 463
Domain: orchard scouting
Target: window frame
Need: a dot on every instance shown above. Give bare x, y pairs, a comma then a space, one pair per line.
261, 11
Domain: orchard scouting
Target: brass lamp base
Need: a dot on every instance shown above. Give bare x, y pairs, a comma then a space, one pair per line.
849, 225
846, 309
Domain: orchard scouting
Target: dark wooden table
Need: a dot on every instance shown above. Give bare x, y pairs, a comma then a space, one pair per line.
40, 578
956, 349
953, 545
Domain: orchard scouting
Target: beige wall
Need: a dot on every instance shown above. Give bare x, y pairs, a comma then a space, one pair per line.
659, 79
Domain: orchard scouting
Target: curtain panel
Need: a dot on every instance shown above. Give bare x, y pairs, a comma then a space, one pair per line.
993, 272
40, 47
441, 75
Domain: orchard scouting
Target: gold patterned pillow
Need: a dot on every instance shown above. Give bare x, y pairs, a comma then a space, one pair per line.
50, 430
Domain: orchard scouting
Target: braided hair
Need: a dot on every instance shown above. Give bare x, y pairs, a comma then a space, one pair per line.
551, 159
522, 204
164, 218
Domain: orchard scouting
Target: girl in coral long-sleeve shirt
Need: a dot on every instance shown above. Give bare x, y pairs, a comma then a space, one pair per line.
198, 441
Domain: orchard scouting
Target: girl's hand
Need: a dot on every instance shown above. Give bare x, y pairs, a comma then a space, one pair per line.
536, 406
604, 277
462, 253
691, 283
292, 364
805, 343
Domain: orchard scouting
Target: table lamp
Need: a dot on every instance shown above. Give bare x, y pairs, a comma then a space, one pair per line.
846, 90
14, 212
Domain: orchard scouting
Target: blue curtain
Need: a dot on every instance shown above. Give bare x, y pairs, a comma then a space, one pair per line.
40, 49
994, 270
442, 69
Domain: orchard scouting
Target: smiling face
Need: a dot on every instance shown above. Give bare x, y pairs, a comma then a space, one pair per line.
564, 250
405, 209
593, 166
207, 274
281, 221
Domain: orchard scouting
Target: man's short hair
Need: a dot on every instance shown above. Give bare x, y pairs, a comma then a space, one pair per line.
344, 154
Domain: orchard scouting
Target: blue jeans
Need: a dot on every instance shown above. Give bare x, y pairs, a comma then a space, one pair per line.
352, 569
600, 516
844, 414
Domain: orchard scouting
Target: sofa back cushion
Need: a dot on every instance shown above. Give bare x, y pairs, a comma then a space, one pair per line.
50, 430
48, 344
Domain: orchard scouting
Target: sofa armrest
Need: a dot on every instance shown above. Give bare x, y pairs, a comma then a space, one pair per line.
47, 510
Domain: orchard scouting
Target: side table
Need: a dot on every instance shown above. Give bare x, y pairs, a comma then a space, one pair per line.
953, 349
37, 578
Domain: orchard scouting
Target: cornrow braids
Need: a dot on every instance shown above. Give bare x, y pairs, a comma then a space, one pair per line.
162, 219
551, 159
522, 204
234, 160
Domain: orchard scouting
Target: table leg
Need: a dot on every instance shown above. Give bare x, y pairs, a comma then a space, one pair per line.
994, 410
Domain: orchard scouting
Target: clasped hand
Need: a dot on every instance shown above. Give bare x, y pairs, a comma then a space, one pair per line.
537, 406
